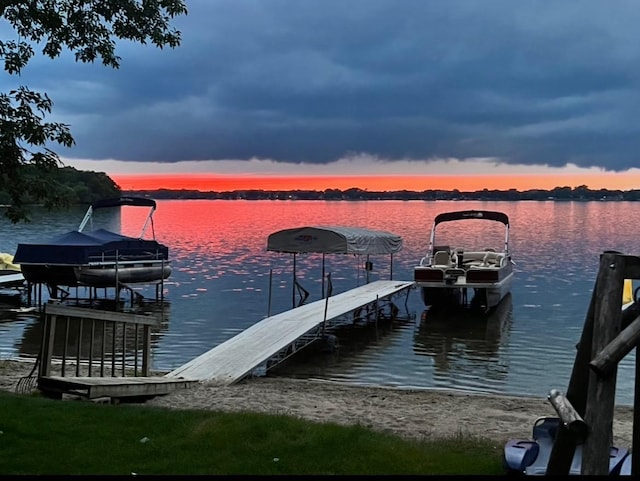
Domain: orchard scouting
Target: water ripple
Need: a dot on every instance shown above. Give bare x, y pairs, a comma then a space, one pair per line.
224, 280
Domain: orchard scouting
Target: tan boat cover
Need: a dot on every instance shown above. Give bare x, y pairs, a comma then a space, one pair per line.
6, 263
334, 240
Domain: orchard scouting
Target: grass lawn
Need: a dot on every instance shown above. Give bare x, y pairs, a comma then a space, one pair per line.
43, 436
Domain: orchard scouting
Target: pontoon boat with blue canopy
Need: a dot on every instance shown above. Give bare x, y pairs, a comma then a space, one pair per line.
99, 258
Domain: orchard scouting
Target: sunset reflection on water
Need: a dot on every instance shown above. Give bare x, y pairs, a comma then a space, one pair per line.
221, 273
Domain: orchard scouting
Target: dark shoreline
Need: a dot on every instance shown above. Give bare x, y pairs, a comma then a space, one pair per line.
562, 194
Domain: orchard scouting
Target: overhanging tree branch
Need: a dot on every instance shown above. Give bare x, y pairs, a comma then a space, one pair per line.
87, 28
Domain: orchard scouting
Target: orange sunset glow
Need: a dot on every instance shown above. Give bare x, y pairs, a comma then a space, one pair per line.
222, 183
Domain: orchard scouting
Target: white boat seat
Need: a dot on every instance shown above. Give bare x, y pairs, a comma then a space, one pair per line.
442, 258
493, 258
473, 256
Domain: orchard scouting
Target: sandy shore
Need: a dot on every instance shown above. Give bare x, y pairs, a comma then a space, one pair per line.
408, 413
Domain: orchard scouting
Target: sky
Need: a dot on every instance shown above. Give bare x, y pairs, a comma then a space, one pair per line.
374, 94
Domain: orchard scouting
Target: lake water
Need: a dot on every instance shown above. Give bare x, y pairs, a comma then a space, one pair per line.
221, 272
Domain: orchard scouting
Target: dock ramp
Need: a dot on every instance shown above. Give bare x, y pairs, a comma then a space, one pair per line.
275, 338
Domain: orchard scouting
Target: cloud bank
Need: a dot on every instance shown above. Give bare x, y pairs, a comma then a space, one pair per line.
410, 81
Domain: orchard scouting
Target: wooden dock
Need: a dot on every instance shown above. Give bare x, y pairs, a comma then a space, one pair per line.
277, 337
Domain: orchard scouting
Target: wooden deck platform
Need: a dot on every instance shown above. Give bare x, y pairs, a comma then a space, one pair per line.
282, 334
110, 387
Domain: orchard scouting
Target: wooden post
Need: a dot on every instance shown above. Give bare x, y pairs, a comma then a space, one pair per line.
47, 343
606, 361
124, 349
79, 346
635, 441
601, 391
65, 347
568, 415
146, 350
91, 339
136, 335
114, 331
103, 347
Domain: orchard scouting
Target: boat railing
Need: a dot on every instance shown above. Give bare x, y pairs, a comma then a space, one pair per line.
84, 342
122, 258
425, 261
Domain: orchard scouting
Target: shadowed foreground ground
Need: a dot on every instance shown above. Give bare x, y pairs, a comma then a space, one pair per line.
408, 413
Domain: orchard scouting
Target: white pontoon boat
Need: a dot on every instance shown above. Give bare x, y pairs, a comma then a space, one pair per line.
458, 275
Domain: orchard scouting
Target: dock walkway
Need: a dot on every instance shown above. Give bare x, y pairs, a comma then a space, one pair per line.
275, 338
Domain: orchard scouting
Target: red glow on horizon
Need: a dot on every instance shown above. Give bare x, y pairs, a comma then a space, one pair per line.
223, 183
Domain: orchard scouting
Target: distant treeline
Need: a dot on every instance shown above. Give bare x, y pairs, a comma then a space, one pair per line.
581, 193
86, 187
77, 186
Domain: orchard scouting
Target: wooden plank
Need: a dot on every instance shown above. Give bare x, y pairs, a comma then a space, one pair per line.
236, 357
95, 387
109, 316
114, 381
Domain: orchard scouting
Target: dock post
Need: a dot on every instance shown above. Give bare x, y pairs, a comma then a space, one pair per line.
377, 314
293, 286
269, 297
326, 303
159, 286
323, 254
367, 267
117, 283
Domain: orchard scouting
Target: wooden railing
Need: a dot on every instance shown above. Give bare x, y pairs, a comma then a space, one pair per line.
587, 411
90, 342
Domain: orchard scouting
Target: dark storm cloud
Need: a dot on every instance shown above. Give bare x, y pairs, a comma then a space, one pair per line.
300, 80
